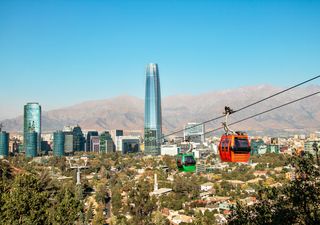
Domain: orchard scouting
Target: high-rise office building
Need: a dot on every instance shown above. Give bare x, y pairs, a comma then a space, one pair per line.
88, 142
129, 144
116, 136
68, 141
4, 144
32, 121
58, 143
45, 147
119, 133
78, 139
106, 143
95, 144
152, 113
194, 132
30, 143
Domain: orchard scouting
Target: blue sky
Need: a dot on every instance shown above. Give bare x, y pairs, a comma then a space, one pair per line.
64, 52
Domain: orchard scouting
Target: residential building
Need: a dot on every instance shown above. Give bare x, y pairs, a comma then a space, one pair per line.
206, 186
273, 148
310, 146
169, 150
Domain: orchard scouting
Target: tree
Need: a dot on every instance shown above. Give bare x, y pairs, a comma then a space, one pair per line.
67, 207
186, 185
99, 217
116, 201
102, 194
26, 202
206, 218
89, 214
159, 219
141, 203
295, 203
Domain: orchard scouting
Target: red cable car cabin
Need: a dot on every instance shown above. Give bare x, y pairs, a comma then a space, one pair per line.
234, 147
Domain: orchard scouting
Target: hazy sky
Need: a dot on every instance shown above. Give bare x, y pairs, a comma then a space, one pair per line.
64, 52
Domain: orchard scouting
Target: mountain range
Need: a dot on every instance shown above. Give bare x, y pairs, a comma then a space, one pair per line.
127, 112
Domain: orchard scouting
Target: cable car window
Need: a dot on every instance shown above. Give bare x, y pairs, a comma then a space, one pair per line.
241, 144
225, 144
189, 160
179, 163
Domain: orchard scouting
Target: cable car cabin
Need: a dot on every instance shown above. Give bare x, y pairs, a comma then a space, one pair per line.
234, 147
186, 162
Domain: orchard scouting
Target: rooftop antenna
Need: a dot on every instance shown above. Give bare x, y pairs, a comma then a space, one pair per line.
77, 166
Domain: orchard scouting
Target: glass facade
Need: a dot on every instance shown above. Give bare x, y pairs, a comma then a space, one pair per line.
45, 147
194, 132
31, 144
58, 143
130, 145
152, 114
78, 139
106, 143
4, 144
119, 133
32, 122
258, 147
68, 142
88, 143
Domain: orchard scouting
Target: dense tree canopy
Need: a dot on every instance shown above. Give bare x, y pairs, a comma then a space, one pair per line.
28, 198
141, 204
295, 203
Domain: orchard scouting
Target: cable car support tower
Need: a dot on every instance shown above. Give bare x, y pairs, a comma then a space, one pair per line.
77, 166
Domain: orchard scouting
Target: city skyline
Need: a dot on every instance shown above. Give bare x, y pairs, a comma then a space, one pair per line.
230, 135
197, 44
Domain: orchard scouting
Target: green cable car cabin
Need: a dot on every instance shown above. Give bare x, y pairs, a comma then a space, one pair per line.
186, 162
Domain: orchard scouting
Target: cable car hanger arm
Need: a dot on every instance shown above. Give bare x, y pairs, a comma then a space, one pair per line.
227, 112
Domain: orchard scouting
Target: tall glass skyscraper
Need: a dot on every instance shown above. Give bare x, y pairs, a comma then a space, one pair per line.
58, 143
32, 122
88, 142
4, 144
152, 113
78, 139
30, 144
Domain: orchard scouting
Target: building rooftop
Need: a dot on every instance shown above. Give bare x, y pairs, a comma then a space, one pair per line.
161, 191
207, 184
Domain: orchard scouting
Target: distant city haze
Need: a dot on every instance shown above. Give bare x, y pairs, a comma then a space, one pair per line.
127, 112
61, 53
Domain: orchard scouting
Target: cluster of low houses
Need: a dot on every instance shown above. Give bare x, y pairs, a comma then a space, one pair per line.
208, 201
